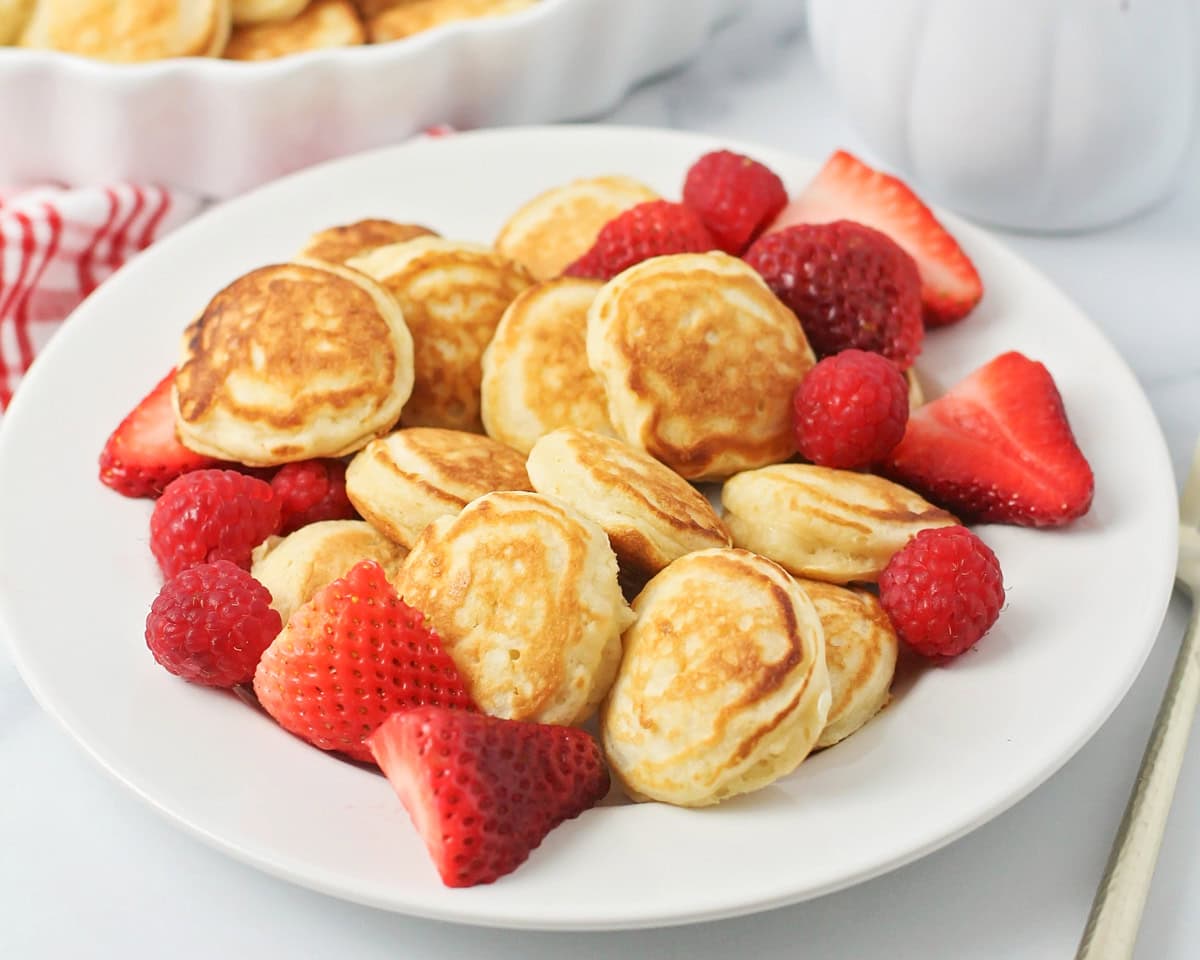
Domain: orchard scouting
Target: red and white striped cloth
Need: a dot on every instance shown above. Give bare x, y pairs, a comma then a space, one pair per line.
57, 245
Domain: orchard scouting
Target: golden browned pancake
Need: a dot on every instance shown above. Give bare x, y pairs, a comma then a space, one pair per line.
831, 525
860, 652
13, 15
324, 23
699, 362
406, 17
536, 376
651, 514
722, 688
292, 361
261, 11
453, 295
295, 567
406, 480
916, 393
128, 31
339, 244
556, 228
523, 592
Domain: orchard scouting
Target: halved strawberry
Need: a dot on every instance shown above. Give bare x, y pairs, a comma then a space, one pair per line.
484, 792
351, 657
143, 454
997, 448
847, 189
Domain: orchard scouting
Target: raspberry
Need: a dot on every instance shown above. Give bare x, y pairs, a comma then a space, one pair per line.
849, 285
310, 491
211, 623
943, 591
735, 196
851, 410
652, 229
211, 515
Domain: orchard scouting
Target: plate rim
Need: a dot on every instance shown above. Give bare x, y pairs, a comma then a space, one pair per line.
1151, 620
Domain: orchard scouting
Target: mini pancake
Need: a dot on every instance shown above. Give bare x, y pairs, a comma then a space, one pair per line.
916, 392
556, 228
860, 653
339, 244
262, 11
699, 362
130, 31
13, 15
536, 376
831, 525
453, 295
404, 481
295, 567
722, 688
523, 592
292, 361
403, 19
323, 24
651, 514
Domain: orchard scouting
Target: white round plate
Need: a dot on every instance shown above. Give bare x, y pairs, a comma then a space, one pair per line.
957, 746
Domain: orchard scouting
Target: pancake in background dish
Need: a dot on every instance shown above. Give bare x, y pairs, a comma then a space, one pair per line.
452, 295
406, 480
535, 371
557, 227
323, 24
523, 592
699, 361
397, 20
261, 11
722, 687
295, 567
341, 243
290, 362
130, 31
860, 653
651, 514
13, 15
831, 525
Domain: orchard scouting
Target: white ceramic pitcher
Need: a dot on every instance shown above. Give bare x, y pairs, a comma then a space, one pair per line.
1034, 114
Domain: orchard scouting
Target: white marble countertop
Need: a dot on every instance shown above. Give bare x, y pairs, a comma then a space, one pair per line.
88, 871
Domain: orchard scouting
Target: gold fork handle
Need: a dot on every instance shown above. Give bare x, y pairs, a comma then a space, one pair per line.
1116, 913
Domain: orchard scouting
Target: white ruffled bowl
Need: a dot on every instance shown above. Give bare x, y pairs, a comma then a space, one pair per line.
218, 127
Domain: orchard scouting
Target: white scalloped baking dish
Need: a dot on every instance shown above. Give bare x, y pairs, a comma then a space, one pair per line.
217, 127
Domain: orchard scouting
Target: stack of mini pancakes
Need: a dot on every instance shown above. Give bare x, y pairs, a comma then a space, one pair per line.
127, 31
524, 448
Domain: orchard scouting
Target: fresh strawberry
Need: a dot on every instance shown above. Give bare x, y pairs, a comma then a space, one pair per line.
997, 448
349, 658
735, 196
652, 229
483, 792
847, 189
143, 454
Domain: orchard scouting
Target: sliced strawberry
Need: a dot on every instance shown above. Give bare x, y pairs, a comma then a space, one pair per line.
847, 189
484, 792
349, 658
143, 454
997, 448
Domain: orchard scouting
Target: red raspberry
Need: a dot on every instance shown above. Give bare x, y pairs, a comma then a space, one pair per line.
211, 515
850, 286
310, 491
943, 591
652, 229
735, 196
850, 411
211, 624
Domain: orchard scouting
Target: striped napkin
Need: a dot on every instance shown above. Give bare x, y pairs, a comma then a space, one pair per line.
57, 245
